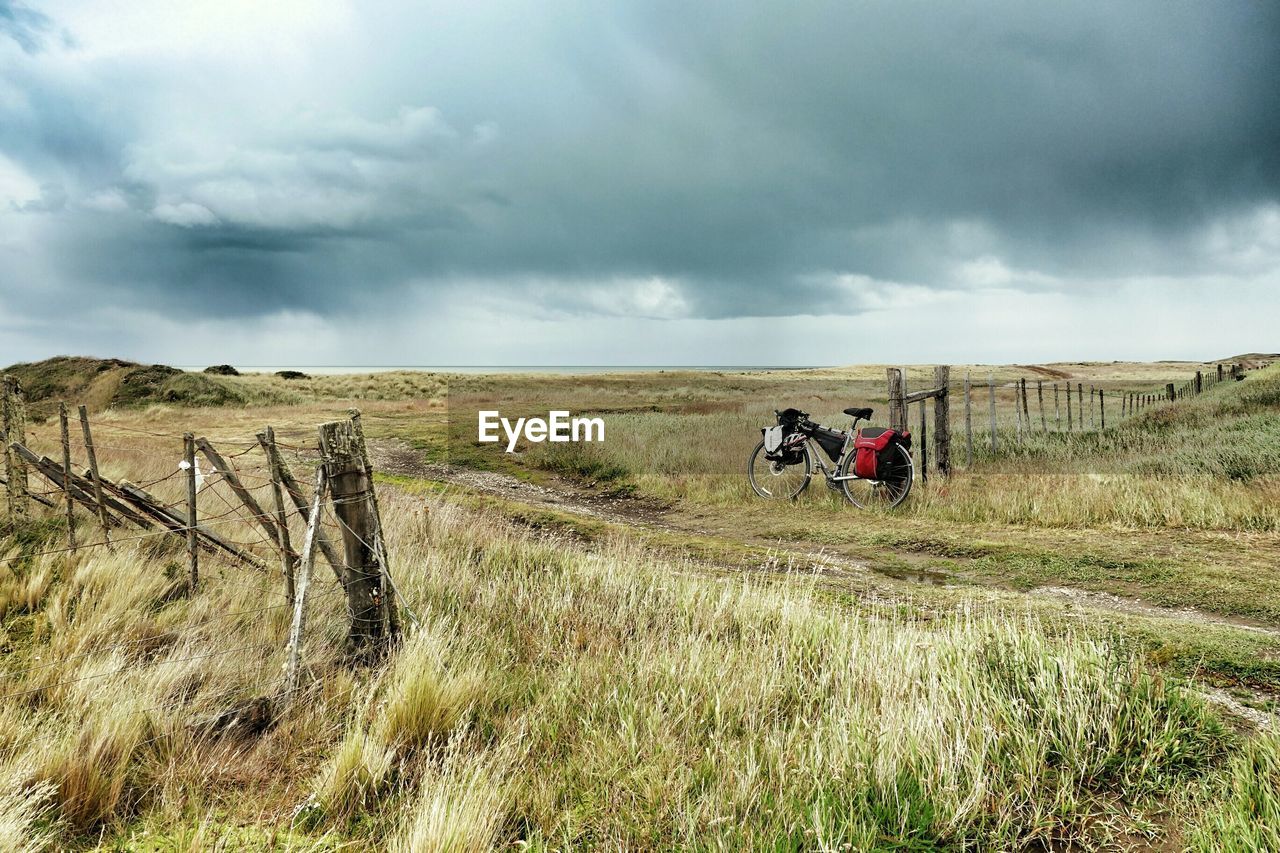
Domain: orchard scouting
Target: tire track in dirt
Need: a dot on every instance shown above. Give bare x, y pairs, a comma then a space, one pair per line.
399, 457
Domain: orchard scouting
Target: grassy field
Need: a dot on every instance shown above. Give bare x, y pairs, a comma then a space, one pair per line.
689, 667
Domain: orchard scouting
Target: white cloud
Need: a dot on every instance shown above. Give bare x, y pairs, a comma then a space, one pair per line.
106, 201
188, 214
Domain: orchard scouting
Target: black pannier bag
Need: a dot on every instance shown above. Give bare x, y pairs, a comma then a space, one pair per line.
830, 440
780, 441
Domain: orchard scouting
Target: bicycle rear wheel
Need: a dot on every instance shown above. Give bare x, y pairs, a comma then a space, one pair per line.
776, 481
891, 489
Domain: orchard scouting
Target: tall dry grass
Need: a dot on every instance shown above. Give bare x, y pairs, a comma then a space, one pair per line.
572, 697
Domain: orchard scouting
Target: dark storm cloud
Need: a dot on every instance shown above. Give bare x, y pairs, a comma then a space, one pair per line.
750, 159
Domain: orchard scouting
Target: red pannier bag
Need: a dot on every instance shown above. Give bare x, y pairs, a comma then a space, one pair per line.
867, 447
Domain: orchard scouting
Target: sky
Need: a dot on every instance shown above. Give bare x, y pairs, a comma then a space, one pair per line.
312, 182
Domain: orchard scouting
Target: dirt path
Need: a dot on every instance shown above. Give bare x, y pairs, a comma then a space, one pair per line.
399, 457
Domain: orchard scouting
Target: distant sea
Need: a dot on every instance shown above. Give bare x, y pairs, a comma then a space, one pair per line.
331, 369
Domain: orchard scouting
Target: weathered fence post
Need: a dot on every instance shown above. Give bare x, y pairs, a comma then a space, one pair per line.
1220, 372
221, 466
287, 563
991, 390
1199, 382
1102, 409
924, 445
1057, 410
968, 420
349, 483
1093, 410
1080, 404
897, 403
1070, 423
66, 475
193, 544
14, 418
1169, 390
1026, 409
942, 419
294, 490
93, 469
1044, 424
305, 562
379, 542
1017, 408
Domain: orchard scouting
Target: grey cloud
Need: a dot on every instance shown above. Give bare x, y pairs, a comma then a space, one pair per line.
753, 159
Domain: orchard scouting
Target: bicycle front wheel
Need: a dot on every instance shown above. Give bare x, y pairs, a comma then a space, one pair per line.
896, 476
775, 480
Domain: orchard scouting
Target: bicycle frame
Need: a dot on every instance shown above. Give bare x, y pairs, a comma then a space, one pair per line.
817, 454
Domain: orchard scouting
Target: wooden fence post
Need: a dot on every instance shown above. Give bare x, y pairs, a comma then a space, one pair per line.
897, 403
942, 419
66, 475
1220, 372
1026, 409
1080, 404
968, 420
1070, 424
256, 513
97, 479
193, 545
1093, 410
923, 445
1044, 424
379, 542
305, 562
287, 563
349, 484
1170, 392
1017, 408
292, 487
1102, 409
1057, 409
1199, 382
15, 432
991, 389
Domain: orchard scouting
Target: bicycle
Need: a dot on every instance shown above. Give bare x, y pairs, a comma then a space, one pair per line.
786, 470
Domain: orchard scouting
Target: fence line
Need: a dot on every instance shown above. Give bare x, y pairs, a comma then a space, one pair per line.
362, 569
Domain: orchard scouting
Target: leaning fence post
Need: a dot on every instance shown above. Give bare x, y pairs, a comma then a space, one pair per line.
93, 469
193, 544
228, 472
66, 475
968, 420
287, 564
897, 405
991, 391
923, 445
305, 562
942, 419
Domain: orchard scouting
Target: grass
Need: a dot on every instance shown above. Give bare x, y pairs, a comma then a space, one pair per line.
569, 682
572, 696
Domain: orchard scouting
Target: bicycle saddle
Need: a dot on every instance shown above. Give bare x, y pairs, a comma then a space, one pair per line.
862, 414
